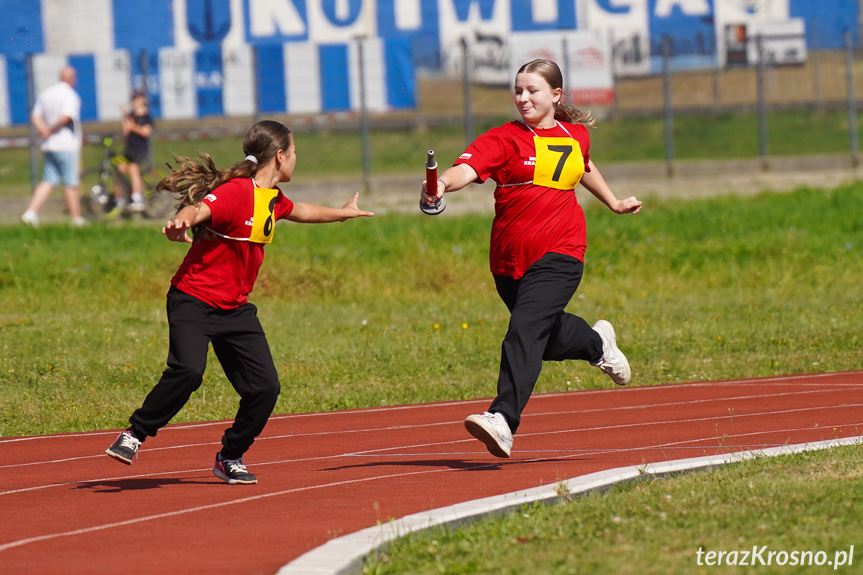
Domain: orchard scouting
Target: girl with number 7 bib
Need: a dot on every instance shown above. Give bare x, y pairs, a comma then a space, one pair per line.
538, 242
231, 214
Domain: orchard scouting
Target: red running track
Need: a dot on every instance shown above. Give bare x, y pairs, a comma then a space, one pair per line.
68, 508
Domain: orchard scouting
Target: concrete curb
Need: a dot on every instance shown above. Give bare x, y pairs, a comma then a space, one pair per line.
345, 555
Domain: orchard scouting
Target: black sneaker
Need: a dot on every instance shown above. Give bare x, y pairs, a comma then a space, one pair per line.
124, 448
233, 471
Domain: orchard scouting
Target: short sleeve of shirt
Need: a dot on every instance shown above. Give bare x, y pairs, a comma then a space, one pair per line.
71, 106
488, 153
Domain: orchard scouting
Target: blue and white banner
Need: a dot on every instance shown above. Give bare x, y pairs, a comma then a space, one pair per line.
302, 78
205, 57
293, 78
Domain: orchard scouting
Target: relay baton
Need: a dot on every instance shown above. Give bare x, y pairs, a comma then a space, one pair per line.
439, 205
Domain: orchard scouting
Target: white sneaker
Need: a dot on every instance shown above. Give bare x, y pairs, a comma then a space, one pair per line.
493, 430
613, 362
137, 206
30, 218
79, 222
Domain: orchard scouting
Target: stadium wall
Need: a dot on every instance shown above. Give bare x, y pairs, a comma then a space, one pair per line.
199, 58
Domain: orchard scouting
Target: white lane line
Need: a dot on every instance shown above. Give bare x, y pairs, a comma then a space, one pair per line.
642, 406
178, 512
776, 380
383, 450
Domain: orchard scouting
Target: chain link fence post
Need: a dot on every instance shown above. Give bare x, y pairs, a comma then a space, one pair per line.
666, 94
852, 100
762, 104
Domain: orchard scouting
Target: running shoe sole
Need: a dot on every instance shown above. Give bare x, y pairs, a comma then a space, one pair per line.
478, 428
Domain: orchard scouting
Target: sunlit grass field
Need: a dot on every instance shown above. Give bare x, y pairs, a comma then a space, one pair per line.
370, 312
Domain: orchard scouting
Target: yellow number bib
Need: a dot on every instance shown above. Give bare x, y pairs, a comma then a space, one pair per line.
559, 163
264, 221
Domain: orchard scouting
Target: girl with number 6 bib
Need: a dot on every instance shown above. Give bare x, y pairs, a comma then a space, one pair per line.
232, 215
538, 242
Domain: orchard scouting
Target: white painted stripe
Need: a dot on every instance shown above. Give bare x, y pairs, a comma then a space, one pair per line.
80, 27
46, 70
374, 72
5, 109
238, 95
378, 453
177, 84
302, 78
435, 406
113, 86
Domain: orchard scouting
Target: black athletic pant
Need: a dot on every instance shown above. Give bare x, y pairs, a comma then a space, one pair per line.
539, 330
241, 347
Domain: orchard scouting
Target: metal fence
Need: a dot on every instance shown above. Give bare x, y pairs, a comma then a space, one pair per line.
827, 80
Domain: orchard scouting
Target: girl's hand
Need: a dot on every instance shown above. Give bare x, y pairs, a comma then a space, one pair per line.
430, 197
175, 230
628, 206
353, 211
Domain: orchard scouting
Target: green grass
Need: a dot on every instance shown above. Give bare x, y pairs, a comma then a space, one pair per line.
698, 290
793, 503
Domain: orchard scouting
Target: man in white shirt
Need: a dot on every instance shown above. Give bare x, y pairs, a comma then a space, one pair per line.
57, 119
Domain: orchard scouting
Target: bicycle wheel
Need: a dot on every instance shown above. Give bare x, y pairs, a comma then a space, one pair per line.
97, 196
99, 186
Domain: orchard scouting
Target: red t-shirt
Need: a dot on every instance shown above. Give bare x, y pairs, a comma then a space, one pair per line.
530, 219
221, 267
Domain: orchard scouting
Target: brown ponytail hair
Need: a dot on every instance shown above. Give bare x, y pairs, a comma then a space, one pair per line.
192, 180
550, 72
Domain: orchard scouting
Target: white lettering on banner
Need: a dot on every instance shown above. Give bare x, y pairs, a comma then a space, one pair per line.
477, 10
407, 14
341, 22
274, 18
615, 6
544, 10
343, 10
688, 7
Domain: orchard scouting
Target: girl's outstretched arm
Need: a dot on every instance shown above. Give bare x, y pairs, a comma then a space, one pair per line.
315, 214
188, 217
596, 185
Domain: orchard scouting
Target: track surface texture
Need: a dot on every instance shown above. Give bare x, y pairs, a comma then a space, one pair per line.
68, 508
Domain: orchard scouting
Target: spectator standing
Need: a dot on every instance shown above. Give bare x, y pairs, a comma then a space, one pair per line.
57, 119
137, 129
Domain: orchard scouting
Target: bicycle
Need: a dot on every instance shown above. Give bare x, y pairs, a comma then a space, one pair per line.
101, 182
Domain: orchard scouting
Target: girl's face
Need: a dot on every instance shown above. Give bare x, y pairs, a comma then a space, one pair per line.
535, 100
288, 160
139, 103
